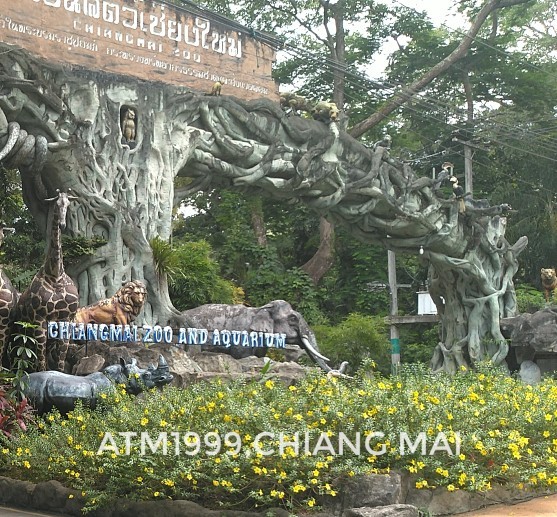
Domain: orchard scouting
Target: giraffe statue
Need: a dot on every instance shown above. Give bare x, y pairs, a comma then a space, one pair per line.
8, 300
52, 295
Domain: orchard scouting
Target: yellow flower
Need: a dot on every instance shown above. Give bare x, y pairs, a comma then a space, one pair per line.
451, 488
216, 483
269, 384
311, 502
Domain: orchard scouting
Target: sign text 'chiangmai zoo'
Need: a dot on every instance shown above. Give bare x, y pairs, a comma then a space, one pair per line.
150, 40
157, 334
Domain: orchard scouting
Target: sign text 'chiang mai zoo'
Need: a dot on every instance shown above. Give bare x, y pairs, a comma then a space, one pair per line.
154, 41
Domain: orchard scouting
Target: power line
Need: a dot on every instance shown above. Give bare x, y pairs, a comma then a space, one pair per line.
296, 51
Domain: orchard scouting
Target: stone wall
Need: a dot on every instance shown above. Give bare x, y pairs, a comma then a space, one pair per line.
365, 496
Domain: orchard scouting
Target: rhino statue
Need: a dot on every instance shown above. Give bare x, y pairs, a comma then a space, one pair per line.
52, 389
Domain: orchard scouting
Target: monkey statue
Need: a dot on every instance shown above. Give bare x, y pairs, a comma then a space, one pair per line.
128, 126
215, 90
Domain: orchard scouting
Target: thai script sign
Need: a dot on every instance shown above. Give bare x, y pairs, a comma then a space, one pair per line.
151, 40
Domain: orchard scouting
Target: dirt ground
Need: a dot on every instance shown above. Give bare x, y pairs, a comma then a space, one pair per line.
538, 507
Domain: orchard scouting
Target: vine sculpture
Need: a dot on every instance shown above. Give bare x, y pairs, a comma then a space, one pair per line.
199, 141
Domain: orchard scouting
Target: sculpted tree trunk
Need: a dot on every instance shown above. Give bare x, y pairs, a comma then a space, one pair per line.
125, 189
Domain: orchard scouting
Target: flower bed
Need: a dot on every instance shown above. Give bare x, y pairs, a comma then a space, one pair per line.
465, 432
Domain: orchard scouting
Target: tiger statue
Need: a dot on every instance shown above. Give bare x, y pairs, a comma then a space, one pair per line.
549, 281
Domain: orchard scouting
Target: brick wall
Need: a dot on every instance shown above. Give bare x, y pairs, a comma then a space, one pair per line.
145, 39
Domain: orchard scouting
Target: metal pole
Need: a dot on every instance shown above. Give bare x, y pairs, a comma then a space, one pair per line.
395, 340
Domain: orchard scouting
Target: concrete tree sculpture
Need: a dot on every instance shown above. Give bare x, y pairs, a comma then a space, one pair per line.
126, 189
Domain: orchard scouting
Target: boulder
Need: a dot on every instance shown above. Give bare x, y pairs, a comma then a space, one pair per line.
90, 364
530, 373
394, 510
372, 490
537, 330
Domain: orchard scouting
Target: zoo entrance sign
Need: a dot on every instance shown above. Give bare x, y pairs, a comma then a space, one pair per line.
153, 41
149, 334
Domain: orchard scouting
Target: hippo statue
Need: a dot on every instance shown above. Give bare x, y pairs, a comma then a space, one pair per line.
52, 389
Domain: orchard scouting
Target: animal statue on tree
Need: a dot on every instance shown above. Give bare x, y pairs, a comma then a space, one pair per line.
120, 309
549, 282
276, 317
129, 126
51, 389
52, 294
8, 299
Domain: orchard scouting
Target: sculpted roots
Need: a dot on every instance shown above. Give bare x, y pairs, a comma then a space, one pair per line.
549, 282
120, 309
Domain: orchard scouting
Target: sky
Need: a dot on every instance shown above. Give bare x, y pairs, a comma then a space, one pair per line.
440, 11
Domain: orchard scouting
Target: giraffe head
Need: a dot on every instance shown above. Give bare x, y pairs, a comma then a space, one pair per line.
62, 200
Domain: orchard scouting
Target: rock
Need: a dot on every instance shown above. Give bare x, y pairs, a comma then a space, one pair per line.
182, 366
537, 330
50, 495
444, 502
372, 490
394, 510
530, 373
287, 372
218, 363
87, 365
188, 366
15, 492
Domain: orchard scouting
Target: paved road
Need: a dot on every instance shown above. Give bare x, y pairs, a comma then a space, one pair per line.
12, 512
538, 507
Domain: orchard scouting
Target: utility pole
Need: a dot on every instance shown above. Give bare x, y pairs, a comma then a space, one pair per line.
468, 153
395, 339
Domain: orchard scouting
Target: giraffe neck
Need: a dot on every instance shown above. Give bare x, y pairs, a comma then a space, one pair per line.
53, 264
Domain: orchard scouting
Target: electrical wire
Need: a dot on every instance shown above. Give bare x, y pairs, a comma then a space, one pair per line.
421, 99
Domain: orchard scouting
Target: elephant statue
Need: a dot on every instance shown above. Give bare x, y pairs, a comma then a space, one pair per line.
276, 317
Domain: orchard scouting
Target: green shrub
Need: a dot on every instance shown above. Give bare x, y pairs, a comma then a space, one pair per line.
193, 274
355, 339
417, 344
529, 299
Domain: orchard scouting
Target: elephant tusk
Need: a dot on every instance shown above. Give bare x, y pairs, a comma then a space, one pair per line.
311, 349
